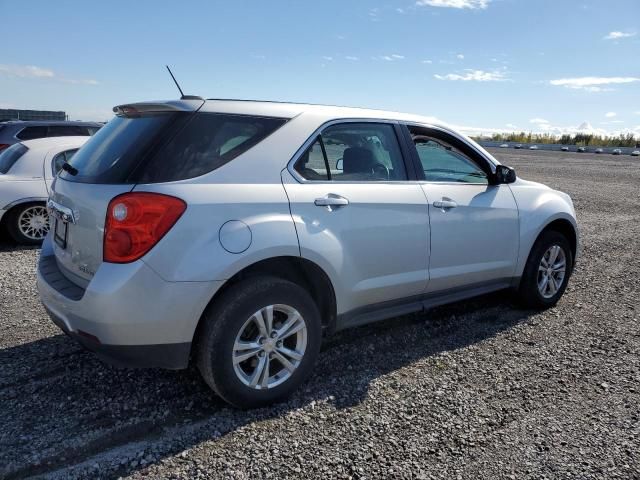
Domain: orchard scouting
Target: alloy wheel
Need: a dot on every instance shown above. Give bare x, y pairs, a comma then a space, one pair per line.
33, 222
270, 346
551, 271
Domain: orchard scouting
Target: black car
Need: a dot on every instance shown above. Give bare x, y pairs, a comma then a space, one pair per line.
582, 149
518, 146
14, 131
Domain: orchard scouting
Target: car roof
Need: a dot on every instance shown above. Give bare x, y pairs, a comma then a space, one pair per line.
270, 108
51, 142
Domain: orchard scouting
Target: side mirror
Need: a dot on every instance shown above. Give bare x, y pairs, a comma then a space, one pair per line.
339, 165
504, 174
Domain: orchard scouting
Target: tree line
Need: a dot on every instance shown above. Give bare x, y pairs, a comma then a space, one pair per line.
580, 139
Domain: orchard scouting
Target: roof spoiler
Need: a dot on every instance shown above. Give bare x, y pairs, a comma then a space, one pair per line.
189, 104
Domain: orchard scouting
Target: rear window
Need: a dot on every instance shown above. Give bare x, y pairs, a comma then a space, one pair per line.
166, 147
10, 155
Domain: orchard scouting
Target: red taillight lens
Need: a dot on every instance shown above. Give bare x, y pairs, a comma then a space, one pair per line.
3, 146
136, 222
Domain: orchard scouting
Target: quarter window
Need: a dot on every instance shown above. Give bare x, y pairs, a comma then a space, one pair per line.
60, 159
354, 152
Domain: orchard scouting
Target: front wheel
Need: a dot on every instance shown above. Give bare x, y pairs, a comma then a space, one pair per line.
28, 224
547, 271
259, 341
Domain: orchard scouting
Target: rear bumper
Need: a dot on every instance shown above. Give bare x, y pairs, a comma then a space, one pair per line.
128, 315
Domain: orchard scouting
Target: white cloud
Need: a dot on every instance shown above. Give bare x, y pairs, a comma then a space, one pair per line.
592, 84
26, 71
352, 58
475, 75
328, 59
618, 35
539, 121
470, 4
511, 126
31, 71
460, 56
431, 61
610, 114
400, 10
389, 58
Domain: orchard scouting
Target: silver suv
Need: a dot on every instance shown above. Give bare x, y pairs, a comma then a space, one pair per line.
237, 233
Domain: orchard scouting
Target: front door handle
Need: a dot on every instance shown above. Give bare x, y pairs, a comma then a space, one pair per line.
445, 203
331, 201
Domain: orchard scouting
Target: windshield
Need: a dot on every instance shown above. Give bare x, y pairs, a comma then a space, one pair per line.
10, 155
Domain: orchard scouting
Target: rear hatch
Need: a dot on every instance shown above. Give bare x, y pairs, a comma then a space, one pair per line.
104, 168
144, 143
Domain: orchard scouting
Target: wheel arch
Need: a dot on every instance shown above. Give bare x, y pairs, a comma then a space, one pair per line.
566, 228
11, 207
298, 270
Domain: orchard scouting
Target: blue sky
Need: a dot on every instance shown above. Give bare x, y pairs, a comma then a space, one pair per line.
539, 65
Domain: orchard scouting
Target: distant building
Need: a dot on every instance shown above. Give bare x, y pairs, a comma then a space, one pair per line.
13, 114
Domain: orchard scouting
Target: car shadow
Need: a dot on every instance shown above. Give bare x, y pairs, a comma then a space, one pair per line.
61, 406
7, 244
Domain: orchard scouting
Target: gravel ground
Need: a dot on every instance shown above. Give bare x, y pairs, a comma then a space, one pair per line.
475, 389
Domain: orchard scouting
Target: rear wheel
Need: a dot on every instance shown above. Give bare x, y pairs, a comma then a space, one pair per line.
259, 341
28, 224
547, 271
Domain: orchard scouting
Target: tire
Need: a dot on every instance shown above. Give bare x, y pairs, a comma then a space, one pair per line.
24, 233
529, 293
233, 314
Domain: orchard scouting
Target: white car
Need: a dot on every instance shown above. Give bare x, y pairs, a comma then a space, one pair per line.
533, 147
504, 145
26, 172
236, 234
635, 153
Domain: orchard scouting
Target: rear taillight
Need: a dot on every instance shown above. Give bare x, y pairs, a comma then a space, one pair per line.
136, 221
3, 146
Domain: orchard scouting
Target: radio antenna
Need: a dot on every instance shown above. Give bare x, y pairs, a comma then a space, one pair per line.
175, 81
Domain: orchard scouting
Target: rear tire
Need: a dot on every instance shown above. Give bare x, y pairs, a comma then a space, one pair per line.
28, 223
253, 319
547, 271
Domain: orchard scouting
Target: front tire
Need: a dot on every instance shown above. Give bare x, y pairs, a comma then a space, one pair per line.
547, 271
28, 224
259, 341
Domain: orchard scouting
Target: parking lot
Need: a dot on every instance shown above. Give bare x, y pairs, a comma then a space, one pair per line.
479, 389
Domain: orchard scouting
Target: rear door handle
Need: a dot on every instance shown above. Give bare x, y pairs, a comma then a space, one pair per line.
445, 203
331, 201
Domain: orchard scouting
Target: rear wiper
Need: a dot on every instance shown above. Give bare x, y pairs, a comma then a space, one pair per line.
71, 170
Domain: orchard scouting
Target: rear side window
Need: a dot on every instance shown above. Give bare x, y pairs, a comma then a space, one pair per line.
206, 142
31, 133
67, 131
60, 159
165, 147
10, 155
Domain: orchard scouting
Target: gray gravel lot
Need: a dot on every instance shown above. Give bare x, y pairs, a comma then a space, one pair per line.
477, 389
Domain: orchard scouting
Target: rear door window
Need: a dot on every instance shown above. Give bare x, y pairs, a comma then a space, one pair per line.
9, 156
31, 133
354, 152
